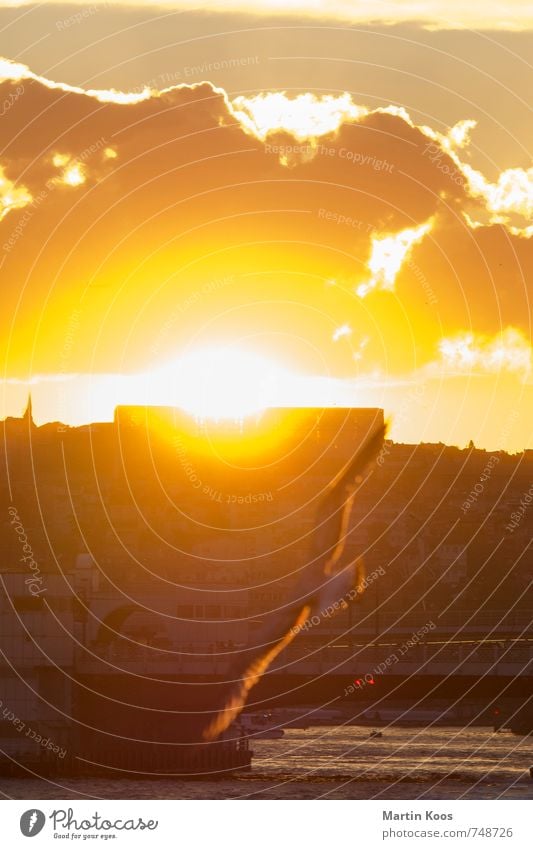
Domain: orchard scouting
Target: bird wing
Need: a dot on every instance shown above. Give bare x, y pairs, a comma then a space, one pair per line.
317, 584
334, 510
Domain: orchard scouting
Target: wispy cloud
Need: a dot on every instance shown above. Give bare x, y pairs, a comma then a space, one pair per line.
16, 71
470, 352
11, 196
388, 253
437, 14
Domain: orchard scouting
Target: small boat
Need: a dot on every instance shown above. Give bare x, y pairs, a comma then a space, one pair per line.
260, 726
375, 735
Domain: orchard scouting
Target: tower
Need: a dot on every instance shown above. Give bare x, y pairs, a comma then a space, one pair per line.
27, 418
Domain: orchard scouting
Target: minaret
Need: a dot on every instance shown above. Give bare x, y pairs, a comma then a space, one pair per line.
28, 414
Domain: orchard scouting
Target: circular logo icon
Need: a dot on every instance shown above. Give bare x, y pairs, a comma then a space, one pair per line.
32, 822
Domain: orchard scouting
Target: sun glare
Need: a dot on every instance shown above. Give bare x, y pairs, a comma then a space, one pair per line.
231, 383
222, 383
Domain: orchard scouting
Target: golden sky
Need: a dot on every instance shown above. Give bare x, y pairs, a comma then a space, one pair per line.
332, 209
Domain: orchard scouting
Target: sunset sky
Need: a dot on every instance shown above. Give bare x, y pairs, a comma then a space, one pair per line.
310, 203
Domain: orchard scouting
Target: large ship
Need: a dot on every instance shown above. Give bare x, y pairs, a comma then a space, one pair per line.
149, 540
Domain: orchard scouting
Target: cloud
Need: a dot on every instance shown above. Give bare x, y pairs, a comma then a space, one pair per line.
469, 353
131, 210
388, 253
306, 116
505, 201
310, 117
72, 172
511, 194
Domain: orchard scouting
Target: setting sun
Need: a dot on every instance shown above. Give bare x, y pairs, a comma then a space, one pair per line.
221, 383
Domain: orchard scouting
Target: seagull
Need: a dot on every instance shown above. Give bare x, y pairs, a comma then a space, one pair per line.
321, 583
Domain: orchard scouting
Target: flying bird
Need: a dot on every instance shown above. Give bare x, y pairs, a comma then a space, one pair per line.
320, 584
